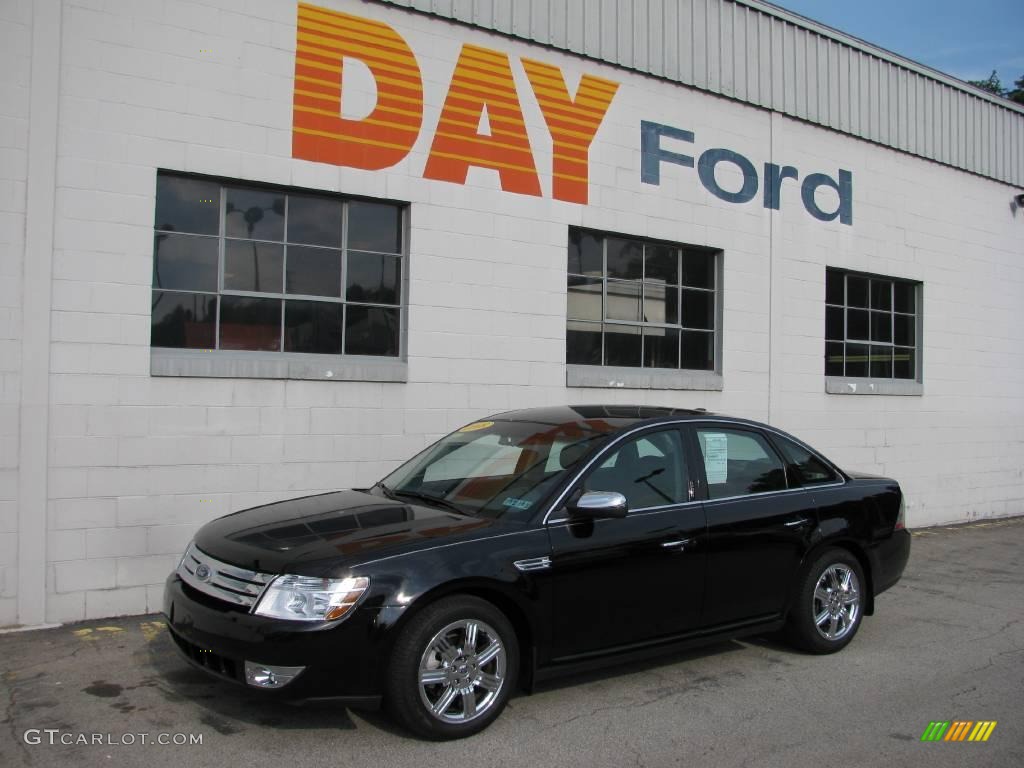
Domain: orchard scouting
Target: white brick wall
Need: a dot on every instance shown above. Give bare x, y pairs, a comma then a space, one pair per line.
136, 463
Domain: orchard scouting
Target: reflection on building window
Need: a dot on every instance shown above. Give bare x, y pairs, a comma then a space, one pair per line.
238, 267
871, 326
640, 303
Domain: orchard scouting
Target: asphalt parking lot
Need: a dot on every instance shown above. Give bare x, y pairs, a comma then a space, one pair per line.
947, 643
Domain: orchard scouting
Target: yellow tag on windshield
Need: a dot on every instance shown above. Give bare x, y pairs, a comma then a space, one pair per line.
477, 425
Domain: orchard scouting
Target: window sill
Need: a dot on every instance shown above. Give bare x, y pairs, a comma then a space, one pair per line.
608, 377
844, 385
233, 364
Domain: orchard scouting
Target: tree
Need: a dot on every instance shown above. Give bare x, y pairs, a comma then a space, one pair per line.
1017, 94
990, 84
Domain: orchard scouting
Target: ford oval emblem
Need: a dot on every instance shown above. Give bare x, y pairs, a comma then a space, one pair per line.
203, 572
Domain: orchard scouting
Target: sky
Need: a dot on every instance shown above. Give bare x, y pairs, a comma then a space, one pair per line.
963, 39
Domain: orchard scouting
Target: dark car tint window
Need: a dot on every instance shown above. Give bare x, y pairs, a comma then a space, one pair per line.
807, 468
738, 463
650, 471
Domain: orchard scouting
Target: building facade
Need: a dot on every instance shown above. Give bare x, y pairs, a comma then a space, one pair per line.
253, 249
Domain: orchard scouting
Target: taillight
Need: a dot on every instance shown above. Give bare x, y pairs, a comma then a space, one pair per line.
901, 518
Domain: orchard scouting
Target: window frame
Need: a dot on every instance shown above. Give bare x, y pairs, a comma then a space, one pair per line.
282, 364
596, 462
704, 492
844, 384
642, 376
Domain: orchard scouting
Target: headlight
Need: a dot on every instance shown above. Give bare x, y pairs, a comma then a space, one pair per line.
307, 598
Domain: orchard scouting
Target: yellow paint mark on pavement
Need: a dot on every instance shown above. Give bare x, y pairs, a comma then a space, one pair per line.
151, 630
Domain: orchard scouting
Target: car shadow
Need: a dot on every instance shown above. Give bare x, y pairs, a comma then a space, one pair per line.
227, 707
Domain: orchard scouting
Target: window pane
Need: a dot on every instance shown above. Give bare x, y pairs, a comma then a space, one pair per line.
661, 348
857, 360
583, 343
698, 309
904, 297
314, 220
881, 326
314, 271
253, 266
698, 350
625, 258
185, 262
834, 287
661, 262
881, 362
374, 227
904, 329
649, 471
857, 324
584, 302
183, 320
623, 301
807, 467
187, 205
254, 214
373, 278
698, 269
661, 303
248, 323
834, 359
881, 294
739, 463
834, 323
622, 345
371, 331
904, 363
856, 291
312, 326
585, 254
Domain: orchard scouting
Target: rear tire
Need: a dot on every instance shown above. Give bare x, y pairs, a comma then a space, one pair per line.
829, 603
453, 668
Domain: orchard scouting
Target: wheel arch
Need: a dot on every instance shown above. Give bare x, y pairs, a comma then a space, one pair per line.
855, 549
496, 594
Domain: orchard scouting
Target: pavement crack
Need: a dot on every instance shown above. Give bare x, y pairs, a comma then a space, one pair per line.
15, 736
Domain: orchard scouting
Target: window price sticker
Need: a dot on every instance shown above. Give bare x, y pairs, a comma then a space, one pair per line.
716, 456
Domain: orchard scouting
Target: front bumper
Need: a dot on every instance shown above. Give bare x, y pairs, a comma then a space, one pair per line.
342, 660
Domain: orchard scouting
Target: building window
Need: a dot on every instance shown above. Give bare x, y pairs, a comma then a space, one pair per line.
871, 326
241, 267
640, 303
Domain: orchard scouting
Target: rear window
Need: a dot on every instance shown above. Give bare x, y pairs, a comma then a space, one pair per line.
804, 466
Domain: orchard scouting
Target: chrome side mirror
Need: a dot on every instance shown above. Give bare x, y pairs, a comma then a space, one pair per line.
599, 504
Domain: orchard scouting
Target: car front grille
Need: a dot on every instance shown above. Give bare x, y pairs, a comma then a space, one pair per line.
229, 583
208, 660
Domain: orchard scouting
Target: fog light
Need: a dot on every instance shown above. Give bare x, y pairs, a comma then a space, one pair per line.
266, 676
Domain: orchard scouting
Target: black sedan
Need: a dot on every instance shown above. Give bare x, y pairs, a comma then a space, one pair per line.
534, 543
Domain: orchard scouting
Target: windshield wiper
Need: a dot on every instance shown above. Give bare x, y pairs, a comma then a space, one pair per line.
391, 493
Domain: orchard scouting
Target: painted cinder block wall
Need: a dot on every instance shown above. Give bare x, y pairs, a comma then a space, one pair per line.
136, 463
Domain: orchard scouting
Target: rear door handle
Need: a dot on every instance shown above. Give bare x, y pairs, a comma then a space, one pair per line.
797, 522
679, 544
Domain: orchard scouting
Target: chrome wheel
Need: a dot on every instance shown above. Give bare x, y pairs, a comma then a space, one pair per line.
462, 671
835, 604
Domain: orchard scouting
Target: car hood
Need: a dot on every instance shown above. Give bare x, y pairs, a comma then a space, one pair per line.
326, 534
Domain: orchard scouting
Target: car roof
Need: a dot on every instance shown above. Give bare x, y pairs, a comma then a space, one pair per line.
614, 417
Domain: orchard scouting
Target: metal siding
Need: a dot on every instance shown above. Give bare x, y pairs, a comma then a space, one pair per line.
769, 57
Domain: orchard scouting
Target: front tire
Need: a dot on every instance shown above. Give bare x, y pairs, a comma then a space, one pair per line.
453, 668
829, 603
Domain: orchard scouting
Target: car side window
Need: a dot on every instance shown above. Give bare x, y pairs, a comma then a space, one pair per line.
650, 471
739, 463
807, 468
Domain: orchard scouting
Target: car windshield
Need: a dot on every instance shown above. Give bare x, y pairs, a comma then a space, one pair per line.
495, 468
